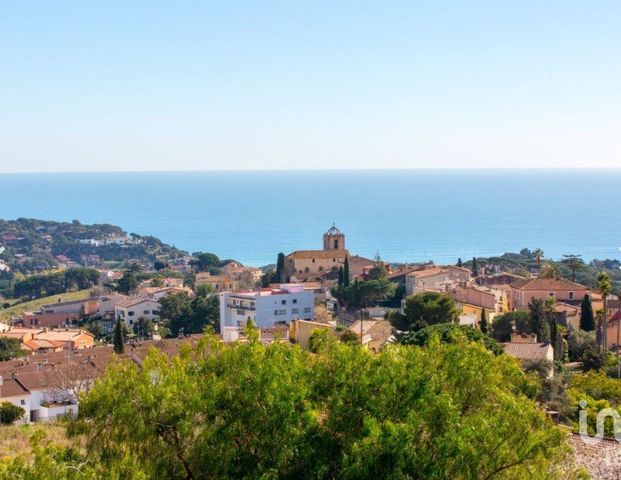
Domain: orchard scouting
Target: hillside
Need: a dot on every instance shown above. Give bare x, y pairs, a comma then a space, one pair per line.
33, 305
525, 262
29, 246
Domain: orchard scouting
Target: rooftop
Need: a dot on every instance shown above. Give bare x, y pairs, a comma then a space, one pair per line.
551, 284
528, 351
319, 254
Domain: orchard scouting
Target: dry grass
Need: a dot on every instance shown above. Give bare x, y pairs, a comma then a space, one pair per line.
15, 439
33, 305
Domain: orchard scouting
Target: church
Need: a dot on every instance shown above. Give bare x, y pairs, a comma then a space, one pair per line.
312, 265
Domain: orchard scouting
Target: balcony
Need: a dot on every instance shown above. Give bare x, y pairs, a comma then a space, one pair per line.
241, 307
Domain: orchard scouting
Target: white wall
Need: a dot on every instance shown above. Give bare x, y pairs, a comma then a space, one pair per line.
268, 309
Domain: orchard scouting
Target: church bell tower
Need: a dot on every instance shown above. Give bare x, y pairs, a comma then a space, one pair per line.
333, 239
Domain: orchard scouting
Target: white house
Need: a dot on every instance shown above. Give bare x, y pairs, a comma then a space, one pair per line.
435, 279
14, 392
267, 307
134, 308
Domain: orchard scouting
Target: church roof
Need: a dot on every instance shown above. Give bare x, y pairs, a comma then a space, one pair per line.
333, 231
319, 254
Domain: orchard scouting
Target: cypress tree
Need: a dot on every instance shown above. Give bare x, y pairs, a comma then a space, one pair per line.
483, 325
280, 268
459, 263
587, 320
119, 342
475, 269
346, 272
340, 282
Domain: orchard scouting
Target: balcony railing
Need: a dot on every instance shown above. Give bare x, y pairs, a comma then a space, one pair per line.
241, 307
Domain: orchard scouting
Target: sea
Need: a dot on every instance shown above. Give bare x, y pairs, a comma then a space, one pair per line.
400, 215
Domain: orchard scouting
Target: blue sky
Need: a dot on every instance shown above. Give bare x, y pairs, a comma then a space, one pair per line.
150, 85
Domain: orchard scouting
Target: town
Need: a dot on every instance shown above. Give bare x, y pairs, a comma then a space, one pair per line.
55, 352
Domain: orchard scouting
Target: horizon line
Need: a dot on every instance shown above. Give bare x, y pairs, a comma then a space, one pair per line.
276, 170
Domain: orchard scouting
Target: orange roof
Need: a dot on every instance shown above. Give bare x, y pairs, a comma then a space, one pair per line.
551, 284
306, 254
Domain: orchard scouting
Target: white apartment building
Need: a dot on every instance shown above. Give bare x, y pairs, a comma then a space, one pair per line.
266, 307
134, 308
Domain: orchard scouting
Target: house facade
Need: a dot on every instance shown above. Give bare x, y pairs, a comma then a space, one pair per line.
220, 283
436, 279
134, 308
523, 291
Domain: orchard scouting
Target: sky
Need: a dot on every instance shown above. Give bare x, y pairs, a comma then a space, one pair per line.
203, 85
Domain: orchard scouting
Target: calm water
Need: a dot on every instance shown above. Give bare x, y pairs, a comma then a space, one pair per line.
403, 215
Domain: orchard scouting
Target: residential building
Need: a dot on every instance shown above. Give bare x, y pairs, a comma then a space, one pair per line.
43, 340
156, 293
523, 291
266, 307
373, 334
613, 337
358, 265
436, 279
300, 331
568, 315
220, 283
473, 299
399, 275
61, 314
526, 348
13, 391
132, 309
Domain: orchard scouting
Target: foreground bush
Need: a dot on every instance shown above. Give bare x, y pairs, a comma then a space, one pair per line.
253, 411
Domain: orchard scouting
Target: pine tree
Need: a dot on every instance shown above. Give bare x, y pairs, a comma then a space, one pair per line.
119, 342
483, 325
475, 269
346, 272
587, 320
459, 263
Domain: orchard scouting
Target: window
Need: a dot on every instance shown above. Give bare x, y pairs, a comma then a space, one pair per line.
147, 312
551, 294
295, 310
283, 302
336, 244
23, 402
307, 309
241, 312
571, 295
294, 301
130, 313
280, 312
313, 260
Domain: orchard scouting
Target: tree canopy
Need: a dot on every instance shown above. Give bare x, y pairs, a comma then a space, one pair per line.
424, 309
10, 348
191, 314
450, 333
275, 411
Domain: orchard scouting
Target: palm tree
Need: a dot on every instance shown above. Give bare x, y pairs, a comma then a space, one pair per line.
550, 270
574, 262
538, 256
604, 285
